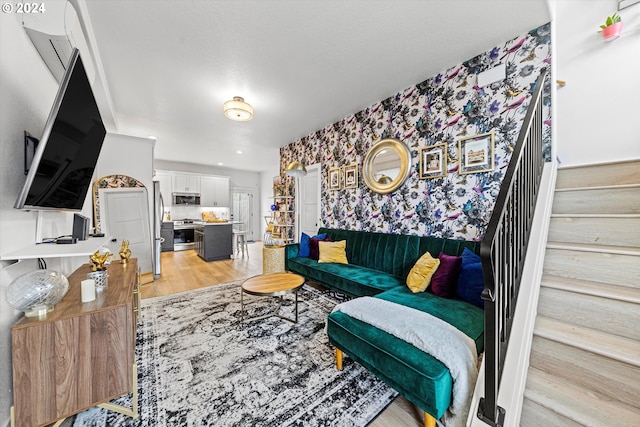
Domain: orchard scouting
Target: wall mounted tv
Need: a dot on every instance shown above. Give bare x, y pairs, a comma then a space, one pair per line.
62, 167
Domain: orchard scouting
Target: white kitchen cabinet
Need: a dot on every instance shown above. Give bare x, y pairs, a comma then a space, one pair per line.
185, 183
164, 178
214, 191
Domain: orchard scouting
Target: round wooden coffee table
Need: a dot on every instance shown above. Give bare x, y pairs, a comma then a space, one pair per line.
272, 285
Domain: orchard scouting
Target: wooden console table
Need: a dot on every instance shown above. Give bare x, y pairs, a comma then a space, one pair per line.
79, 355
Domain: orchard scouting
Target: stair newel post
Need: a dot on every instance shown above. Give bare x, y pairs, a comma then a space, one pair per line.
488, 409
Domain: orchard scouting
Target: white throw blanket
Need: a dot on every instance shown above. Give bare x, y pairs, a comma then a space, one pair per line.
430, 334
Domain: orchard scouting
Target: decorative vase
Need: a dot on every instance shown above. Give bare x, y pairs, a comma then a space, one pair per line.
612, 32
37, 292
100, 278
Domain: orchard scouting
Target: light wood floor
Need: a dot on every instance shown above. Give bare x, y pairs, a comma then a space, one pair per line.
184, 271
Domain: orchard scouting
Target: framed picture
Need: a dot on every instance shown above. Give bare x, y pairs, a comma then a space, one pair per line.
351, 176
433, 161
334, 178
475, 153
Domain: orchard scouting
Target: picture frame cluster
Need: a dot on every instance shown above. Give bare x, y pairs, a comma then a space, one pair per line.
344, 177
475, 155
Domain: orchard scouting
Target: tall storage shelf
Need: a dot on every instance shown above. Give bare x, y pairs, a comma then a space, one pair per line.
283, 217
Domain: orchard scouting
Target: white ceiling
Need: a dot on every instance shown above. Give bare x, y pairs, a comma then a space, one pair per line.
170, 65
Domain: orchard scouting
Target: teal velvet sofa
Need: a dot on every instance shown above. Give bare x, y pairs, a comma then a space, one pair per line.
378, 266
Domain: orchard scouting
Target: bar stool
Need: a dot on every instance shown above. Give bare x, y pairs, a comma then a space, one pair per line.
240, 240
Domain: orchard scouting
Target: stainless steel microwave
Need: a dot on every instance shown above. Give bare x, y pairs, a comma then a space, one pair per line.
186, 199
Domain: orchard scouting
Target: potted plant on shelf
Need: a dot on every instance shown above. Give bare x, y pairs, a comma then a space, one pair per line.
612, 27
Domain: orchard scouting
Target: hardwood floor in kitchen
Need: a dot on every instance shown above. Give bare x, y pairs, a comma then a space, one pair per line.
184, 271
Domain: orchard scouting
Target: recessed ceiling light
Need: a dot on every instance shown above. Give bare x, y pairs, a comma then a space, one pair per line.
152, 137
239, 151
220, 163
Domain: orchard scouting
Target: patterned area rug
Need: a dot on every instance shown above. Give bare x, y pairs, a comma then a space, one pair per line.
198, 366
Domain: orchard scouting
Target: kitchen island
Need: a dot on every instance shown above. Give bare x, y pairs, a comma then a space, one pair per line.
214, 241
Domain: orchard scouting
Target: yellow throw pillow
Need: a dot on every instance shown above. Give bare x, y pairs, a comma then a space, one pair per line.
420, 275
333, 252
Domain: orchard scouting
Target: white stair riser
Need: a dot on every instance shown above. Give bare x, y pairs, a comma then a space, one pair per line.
602, 314
598, 201
605, 290
603, 231
534, 415
622, 270
609, 377
598, 175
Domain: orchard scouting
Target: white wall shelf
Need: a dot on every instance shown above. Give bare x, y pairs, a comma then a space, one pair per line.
52, 250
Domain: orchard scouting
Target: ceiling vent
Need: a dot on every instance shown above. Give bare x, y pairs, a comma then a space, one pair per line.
55, 34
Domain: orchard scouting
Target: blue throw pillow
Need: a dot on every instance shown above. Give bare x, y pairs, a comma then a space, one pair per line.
305, 249
470, 281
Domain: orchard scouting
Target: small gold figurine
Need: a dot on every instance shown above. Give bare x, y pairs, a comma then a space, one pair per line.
98, 259
125, 252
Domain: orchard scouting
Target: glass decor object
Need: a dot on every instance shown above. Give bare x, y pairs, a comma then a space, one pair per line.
37, 292
101, 279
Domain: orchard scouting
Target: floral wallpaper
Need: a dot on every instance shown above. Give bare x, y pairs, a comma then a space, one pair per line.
443, 108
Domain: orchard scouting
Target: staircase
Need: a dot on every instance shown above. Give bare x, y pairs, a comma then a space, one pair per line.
585, 356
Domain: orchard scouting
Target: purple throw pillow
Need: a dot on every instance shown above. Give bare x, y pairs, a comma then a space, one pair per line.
444, 280
314, 251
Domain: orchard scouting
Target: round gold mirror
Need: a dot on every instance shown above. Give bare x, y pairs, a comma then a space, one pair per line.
386, 165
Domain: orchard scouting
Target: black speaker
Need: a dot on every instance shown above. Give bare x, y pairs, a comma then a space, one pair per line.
80, 227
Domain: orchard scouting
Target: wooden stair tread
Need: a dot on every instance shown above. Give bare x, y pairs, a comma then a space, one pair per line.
582, 406
598, 187
604, 290
608, 345
593, 174
587, 247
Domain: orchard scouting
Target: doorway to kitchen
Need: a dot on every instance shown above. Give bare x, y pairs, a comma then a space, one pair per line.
242, 210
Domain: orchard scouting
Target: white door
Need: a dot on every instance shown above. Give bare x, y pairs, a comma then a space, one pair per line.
310, 201
124, 214
242, 210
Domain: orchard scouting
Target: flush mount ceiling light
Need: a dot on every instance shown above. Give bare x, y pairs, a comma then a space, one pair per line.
238, 110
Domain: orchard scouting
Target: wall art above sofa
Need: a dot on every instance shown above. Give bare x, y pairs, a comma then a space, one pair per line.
444, 109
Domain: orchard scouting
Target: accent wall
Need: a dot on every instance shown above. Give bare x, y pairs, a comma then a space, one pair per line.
443, 108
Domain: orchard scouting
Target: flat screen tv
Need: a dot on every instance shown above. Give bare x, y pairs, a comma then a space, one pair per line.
62, 167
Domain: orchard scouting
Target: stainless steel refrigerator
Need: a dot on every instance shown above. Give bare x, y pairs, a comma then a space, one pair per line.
158, 213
